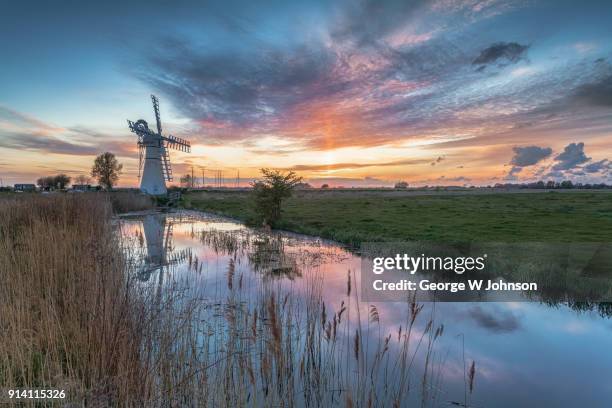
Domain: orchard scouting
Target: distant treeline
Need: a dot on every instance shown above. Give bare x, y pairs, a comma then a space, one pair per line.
566, 184
60, 181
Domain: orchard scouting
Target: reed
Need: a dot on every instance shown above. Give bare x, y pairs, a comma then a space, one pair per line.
126, 201
74, 316
67, 314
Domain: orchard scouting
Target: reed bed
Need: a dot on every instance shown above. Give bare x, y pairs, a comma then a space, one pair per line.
268, 342
74, 316
67, 316
126, 201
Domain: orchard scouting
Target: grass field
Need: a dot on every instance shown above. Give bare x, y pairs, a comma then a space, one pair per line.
355, 217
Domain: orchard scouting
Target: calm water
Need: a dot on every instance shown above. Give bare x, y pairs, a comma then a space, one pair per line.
527, 354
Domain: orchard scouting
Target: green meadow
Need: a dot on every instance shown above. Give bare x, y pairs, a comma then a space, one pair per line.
358, 216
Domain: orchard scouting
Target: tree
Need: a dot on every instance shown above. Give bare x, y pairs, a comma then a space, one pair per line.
82, 179
45, 183
303, 186
401, 185
61, 181
270, 191
567, 184
325, 186
106, 169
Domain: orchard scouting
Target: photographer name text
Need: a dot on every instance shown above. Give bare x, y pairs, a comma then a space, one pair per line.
471, 285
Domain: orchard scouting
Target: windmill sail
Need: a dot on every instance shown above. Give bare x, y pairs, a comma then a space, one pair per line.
154, 167
156, 110
166, 167
178, 143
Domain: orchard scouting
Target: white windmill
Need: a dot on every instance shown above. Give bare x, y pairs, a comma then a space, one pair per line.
153, 151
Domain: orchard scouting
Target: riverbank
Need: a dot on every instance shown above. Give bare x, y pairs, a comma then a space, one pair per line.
69, 321
108, 312
72, 317
166, 309
356, 217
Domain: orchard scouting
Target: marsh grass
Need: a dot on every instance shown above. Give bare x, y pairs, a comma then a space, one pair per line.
295, 350
126, 201
68, 316
73, 316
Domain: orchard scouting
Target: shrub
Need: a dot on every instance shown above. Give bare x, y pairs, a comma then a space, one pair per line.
269, 193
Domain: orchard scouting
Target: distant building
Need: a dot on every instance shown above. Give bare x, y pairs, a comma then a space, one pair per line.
81, 187
25, 187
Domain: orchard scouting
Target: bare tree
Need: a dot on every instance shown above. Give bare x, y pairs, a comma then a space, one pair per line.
61, 181
82, 179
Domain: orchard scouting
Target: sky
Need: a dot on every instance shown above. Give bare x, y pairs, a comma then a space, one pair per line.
348, 93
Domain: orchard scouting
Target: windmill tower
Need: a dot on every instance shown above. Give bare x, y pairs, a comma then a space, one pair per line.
154, 167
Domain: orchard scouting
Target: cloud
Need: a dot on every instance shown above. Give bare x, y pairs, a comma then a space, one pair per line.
501, 52
240, 88
525, 156
555, 174
24, 132
368, 21
458, 179
11, 117
349, 84
46, 144
53, 145
573, 163
512, 174
321, 93
350, 181
596, 93
343, 166
444, 179
598, 166
529, 155
496, 320
572, 156
313, 94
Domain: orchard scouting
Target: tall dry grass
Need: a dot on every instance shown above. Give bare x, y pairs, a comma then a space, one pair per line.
67, 316
276, 345
126, 201
73, 317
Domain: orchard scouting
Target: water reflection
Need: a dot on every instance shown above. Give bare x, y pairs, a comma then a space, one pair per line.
494, 319
155, 237
527, 354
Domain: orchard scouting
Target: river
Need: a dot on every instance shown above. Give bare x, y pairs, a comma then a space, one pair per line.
526, 354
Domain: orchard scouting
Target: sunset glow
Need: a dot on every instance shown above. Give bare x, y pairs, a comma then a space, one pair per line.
439, 92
